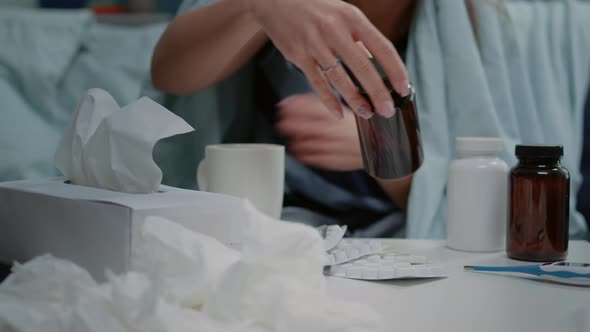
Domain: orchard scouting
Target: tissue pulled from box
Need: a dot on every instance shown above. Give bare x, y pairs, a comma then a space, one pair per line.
109, 147
184, 281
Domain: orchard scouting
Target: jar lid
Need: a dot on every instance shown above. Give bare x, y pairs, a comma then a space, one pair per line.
483, 145
539, 151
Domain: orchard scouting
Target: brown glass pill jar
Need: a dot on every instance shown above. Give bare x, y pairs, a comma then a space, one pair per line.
538, 216
391, 147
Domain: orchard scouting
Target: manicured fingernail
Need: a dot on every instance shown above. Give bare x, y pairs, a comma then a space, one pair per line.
364, 112
402, 87
388, 109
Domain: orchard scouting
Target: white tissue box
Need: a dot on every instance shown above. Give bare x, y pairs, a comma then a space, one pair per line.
97, 228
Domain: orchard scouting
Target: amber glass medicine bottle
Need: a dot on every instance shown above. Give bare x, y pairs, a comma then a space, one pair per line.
538, 205
391, 147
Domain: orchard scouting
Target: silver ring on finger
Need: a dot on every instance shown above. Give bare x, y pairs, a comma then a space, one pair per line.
326, 69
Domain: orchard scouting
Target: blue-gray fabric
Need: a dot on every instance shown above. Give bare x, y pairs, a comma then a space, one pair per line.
521, 76
48, 59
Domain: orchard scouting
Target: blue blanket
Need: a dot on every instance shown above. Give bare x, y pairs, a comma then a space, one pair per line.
522, 76
48, 59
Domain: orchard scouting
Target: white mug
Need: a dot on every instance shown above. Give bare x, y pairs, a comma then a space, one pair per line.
252, 171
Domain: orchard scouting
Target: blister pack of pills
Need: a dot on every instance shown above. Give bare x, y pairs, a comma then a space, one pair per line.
366, 259
351, 249
332, 235
386, 267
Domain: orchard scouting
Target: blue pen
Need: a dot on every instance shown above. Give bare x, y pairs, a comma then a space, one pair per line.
562, 272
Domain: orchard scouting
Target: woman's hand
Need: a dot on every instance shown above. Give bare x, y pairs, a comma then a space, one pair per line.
311, 34
315, 138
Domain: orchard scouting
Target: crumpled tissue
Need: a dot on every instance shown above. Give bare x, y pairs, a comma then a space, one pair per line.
184, 281
110, 147
185, 264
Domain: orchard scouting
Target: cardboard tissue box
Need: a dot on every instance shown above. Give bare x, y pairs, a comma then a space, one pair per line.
113, 184
97, 228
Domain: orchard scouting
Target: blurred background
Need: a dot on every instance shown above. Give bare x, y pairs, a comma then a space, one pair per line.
51, 53
102, 6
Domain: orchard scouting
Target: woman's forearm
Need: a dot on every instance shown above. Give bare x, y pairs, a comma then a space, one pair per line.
204, 46
397, 190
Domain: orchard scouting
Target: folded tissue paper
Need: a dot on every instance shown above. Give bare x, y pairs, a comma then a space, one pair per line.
185, 281
110, 147
111, 183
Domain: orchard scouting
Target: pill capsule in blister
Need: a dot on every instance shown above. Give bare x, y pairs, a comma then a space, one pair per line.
387, 263
419, 259
354, 271
404, 272
375, 246
364, 247
388, 258
421, 270
372, 264
370, 273
403, 258
374, 258
386, 273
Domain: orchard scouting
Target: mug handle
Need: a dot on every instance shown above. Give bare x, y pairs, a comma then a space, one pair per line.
201, 182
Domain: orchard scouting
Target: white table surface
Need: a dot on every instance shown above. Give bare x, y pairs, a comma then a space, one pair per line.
468, 301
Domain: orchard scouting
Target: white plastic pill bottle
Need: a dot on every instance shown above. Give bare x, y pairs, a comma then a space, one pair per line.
477, 196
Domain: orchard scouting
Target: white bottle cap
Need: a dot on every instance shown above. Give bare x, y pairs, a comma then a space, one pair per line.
478, 145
